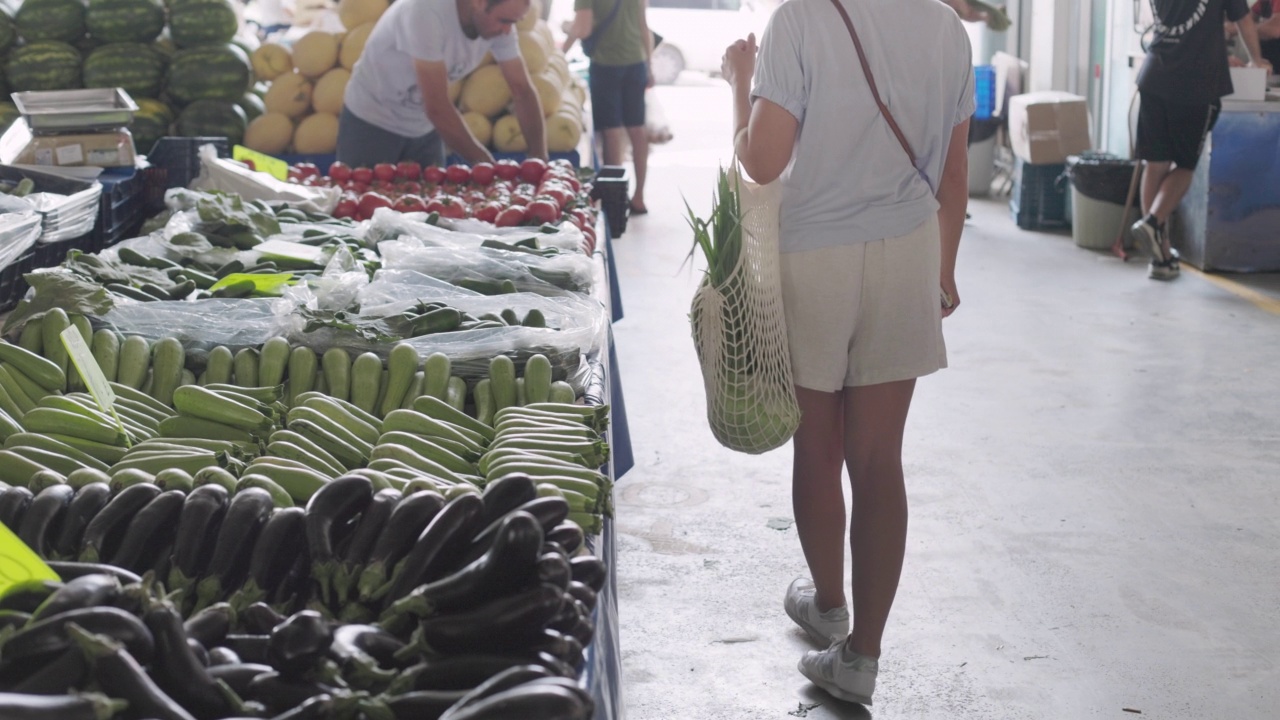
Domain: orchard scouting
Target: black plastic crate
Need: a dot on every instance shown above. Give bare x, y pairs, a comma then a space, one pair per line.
123, 209
1039, 197
52, 254
175, 162
612, 187
12, 284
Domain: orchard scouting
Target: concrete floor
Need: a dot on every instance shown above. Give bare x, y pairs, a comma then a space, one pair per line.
1095, 521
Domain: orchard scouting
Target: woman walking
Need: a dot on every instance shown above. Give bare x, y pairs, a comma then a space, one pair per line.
872, 157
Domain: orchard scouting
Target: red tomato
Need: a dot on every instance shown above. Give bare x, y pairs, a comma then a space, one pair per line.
561, 165
448, 206
362, 175
488, 212
483, 173
408, 170
519, 199
532, 170
458, 174
347, 208
384, 171
411, 188
560, 192
383, 186
542, 211
295, 175
359, 188
250, 164
507, 169
410, 203
308, 170
340, 171
510, 217
369, 202
474, 197
433, 174
583, 217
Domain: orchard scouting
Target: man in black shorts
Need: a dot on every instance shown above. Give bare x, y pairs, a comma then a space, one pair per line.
1181, 84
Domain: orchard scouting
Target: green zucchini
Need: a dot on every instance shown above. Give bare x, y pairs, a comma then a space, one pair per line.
55, 321
32, 339
15, 397
207, 404
182, 426
440, 410
246, 368
438, 369
562, 392
135, 361
273, 362
337, 372
168, 358
482, 396
302, 372
220, 367
48, 374
51, 421
502, 376
366, 382
402, 364
537, 379
456, 394
415, 390
106, 351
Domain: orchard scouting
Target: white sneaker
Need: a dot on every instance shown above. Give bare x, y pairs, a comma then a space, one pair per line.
845, 675
823, 627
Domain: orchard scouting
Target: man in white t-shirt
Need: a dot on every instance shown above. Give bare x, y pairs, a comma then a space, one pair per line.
397, 104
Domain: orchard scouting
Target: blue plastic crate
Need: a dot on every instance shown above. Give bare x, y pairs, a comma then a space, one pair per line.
984, 87
1039, 197
175, 162
123, 209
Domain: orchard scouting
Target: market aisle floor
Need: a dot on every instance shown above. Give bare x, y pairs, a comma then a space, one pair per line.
1095, 520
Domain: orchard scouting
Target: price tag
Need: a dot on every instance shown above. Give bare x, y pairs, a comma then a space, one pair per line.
275, 167
18, 564
92, 375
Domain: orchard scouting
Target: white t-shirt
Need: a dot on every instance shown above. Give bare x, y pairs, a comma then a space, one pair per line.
849, 180
384, 85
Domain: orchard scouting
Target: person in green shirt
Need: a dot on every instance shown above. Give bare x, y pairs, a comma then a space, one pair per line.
616, 37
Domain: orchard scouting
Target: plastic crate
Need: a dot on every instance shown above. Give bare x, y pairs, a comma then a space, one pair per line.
175, 162
52, 254
1039, 197
12, 284
984, 87
124, 207
612, 187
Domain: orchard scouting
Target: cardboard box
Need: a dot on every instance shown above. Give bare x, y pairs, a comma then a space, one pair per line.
19, 146
1250, 84
1046, 127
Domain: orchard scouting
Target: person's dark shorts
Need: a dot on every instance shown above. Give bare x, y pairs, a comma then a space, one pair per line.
617, 95
1174, 132
363, 144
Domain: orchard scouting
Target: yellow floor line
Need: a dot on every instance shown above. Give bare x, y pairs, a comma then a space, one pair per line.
1262, 301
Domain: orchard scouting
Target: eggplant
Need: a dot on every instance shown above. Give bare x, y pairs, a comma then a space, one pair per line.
331, 508
14, 502
370, 640
246, 515
449, 531
538, 699
554, 642
299, 643
373, 521
13, 619
423, 704
250, 648
28, 595
260, 618
87, 706
508, 566
590, 571
178, 671
151, 530
49, 636
567, 535
107, 528
64, 674
505, 680
584, 594
82, 592
198, 526
507, 493
88, 502
119, 674
220, 656
510, 623
211, 625
237, 676
318, 707
200, 651
43, 519
456, 672
70, 570
359, 667
279, 693
282, 540
548, 511
407, 522
554, 569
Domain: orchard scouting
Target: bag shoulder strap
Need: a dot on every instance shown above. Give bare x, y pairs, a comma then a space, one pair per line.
871, 82
599, 29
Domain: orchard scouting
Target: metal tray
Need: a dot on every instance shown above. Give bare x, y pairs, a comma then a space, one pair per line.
61, 110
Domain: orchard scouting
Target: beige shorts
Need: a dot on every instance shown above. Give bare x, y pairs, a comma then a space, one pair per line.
865, 313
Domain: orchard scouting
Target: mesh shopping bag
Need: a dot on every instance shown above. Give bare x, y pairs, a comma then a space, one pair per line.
738, 325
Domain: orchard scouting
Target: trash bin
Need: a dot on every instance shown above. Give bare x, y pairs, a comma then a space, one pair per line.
1099, 188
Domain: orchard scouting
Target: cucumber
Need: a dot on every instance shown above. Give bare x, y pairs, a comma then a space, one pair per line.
109, 454
214, 475
323, 436
83, 325
366, 382
299, 483
15, 398
17, 470
189, 462
438, 370
339, 430
439, 410
221, 366
502, 378
135, 361
335, 411
181, 426
482, 395
188, 378
427, 449
347, 407
415, 390
175, 479
254, 478
32, 339
382, 391
310, 446
57, 462
55, 321
302, 373
106, 351
167, 361
520, 401
207, 404
562, 392
537, 379
456, 394
273, 362
30, 388
48, 444
87, 476
412, 421
51, 421
402, 364
246, 368
337, 372
291, 451
48, 374
8, 425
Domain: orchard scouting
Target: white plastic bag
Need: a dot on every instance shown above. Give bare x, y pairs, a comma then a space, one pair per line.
230, 176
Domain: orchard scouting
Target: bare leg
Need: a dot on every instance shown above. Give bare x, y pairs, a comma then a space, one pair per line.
874, 418
816, 495
1172, 190
613, 139
640, 155
1153, 174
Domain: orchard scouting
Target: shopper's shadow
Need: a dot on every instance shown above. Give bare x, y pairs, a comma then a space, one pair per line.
825, 707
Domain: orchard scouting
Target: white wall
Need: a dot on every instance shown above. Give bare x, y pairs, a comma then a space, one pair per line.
1124, 56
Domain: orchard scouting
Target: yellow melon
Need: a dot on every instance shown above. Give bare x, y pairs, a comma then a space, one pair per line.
317, 134
486, 91
543, 31
270, 61
315, 54
530, 18
289, 94
327, 96
507, 136
488, 59
558, 65
534, 52
354, 13
269, 133
353, 45
564, 132
455, 91
479, 126
550, 91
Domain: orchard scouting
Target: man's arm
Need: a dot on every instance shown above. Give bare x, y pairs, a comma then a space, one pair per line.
1249, 33
953, 200
1269, 29
528, 106
583, 21
433, 81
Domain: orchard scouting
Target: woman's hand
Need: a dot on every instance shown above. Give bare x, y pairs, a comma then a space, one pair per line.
739, 62
949, 292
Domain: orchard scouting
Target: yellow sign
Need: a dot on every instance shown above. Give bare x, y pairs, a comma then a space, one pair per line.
275, 167
87, 366
18, 564
263, 283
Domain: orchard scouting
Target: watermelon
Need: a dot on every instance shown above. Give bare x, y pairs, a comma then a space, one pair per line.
213, 118
252, 105
8, 113
8, 32
202, 22
61, 20
45, 65
210, 72
133, 66
114, 21
150, 123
